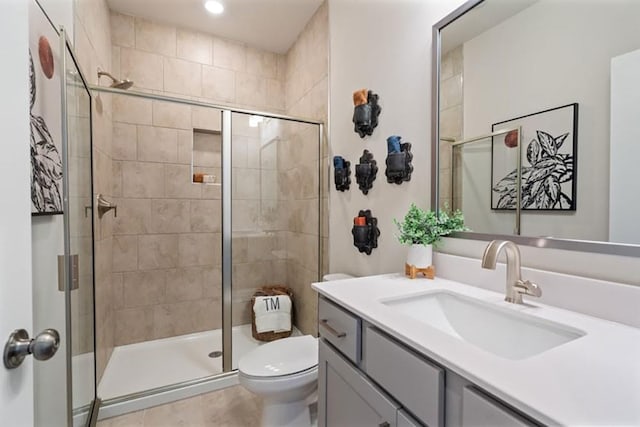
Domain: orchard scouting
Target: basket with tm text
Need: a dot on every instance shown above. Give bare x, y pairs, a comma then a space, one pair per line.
271, 313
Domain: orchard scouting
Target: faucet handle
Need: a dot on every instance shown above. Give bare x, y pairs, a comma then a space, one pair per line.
528, 288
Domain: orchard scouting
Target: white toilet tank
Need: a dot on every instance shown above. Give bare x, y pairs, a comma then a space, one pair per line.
336, 276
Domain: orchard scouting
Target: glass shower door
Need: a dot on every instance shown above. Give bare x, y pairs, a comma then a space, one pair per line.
79, 242
274, 211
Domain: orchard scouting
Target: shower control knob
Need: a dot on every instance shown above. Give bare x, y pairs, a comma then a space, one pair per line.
19, 346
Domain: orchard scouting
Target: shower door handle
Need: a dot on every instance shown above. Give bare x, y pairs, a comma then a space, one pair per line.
19, 346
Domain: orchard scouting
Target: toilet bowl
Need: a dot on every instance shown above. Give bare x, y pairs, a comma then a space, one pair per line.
285, 374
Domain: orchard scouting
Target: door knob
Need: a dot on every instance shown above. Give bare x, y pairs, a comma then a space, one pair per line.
19, 346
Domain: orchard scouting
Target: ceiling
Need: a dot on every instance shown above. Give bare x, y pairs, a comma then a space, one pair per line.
272, 25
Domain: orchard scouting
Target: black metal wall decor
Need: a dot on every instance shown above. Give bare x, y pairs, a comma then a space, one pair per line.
398, 161
341, 173
365, 232
365, 112
366, 172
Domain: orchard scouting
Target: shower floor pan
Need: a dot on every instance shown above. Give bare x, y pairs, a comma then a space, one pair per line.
147, 365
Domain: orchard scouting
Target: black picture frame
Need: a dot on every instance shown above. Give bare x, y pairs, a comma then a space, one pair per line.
549, 161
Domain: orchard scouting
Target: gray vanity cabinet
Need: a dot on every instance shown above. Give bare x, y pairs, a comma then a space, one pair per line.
367, 378
478, 409
347, 398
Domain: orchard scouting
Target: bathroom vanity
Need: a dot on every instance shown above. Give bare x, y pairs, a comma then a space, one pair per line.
401, 352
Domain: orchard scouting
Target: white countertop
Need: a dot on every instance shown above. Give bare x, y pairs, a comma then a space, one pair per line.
592, 380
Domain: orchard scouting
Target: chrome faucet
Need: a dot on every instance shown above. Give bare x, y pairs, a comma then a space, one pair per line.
516, 287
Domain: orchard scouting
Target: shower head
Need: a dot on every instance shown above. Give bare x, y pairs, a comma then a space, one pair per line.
116, 83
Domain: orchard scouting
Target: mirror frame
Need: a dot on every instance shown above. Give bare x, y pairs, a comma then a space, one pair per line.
606, 248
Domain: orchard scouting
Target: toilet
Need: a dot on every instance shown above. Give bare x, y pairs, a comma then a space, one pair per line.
285, 374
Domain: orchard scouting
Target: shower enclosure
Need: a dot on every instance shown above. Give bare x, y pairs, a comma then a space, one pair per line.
212, 203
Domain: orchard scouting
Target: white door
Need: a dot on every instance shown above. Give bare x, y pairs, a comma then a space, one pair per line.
16, 386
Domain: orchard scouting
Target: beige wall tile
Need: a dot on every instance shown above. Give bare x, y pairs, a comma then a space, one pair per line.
182, 77
133, 325
211, 282
251, 90
229, 54
200, 249
156, 144
142, 179
125, 253
144, 68
194, 46
178, 183
246, 215
133, 216
171, 115
124, 141
275, 94
246, 184
240, 249
169, 216
206, 118
185, 146
262, 63
155, 38
185, 317
143, 288
206, 215
117, 179
451, 92
122, 30
184, 284
218, 84
128, 109
157, 251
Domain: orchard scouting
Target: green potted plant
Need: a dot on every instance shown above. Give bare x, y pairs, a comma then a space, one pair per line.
423, 229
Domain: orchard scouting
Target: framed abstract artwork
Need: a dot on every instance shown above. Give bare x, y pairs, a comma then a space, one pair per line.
45, 114
548, 163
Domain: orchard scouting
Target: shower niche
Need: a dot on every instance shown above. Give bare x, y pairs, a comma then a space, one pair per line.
206, 157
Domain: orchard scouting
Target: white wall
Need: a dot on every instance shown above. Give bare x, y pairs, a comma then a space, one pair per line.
624, 208
384, 46
557, 53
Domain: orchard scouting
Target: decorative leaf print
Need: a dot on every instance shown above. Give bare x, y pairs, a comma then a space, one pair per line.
46, 162
560, 140
541, 182
533, 152
547, 142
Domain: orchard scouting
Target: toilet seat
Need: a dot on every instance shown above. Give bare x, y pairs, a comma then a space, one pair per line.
282, 358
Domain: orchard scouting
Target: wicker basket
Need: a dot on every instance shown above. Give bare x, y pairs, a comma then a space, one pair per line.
266, 291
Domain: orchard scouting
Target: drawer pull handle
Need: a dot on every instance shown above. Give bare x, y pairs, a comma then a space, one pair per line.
325, 323
384, 424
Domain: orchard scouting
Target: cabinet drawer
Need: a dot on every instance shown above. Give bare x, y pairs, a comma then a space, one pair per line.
340, 328
417, 384
346, 398
405, 420
480, 410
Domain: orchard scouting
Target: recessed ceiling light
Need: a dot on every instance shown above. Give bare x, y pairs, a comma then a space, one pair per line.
214, 7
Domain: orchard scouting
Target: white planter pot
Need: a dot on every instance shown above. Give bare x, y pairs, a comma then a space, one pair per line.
420, 256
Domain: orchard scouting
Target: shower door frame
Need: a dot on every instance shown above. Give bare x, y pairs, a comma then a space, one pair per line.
134, 401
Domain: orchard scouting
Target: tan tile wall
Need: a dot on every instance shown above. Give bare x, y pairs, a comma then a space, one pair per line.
174, 61
166, 246
92, 43
451, 116
306, 94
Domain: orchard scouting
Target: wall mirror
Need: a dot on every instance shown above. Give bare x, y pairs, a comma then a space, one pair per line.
536, 122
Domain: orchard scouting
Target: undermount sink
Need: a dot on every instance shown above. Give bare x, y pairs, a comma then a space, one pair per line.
498, 330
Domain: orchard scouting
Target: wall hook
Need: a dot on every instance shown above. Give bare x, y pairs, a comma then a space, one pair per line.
366, 171
399, 167
341, 173
365, 232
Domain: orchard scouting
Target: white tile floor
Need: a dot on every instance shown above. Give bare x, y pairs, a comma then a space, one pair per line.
144, 366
